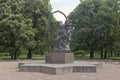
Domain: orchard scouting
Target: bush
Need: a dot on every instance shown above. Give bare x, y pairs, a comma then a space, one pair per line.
79, 52
4, 54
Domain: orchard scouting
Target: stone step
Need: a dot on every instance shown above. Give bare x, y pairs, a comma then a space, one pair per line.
57, 68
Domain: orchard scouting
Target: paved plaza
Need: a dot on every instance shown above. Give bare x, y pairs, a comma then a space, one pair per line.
9, 71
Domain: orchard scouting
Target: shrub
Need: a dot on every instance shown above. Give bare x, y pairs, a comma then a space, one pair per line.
79, 52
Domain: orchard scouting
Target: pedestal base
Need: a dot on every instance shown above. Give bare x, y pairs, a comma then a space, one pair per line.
77, 66
59, 58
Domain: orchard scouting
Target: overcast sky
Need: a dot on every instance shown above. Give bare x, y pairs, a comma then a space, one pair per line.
66, 6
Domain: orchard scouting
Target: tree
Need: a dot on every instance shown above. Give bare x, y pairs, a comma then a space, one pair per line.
23, 24
107, 20
85, 24
11, 21
37, 11
114, 7
4, 13
94, 26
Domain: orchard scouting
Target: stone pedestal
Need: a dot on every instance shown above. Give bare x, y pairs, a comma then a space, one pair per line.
59, 57
58, 62
76, 66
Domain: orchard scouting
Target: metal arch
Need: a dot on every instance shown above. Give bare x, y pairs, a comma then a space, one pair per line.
48, 25
61, 13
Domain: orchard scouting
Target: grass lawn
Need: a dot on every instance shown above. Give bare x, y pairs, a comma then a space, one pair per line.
42, 57
36, 57
96, 56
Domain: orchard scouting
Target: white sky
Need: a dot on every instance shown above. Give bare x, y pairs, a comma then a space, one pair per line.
66, 6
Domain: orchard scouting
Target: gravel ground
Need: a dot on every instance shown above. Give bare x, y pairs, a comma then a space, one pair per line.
9, 71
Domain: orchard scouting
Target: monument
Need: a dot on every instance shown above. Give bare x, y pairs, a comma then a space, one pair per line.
61, 52
59, 59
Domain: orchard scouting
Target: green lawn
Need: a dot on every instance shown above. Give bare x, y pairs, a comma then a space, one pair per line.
96, 56
36, 57
42, 57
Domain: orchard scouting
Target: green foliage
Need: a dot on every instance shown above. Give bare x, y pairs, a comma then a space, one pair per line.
4, 54
10, 24
38, 12
96, 25
23, 24
80, 52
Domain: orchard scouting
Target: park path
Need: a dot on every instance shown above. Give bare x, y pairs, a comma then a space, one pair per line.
9, 71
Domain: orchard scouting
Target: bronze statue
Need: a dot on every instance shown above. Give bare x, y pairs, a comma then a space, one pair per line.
63, 37
61, 43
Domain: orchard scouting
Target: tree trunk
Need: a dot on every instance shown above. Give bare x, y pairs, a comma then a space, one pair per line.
101, 54
115, 53
15, 55
12, 55
29, 54
105, 54
91, 54
111, 53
